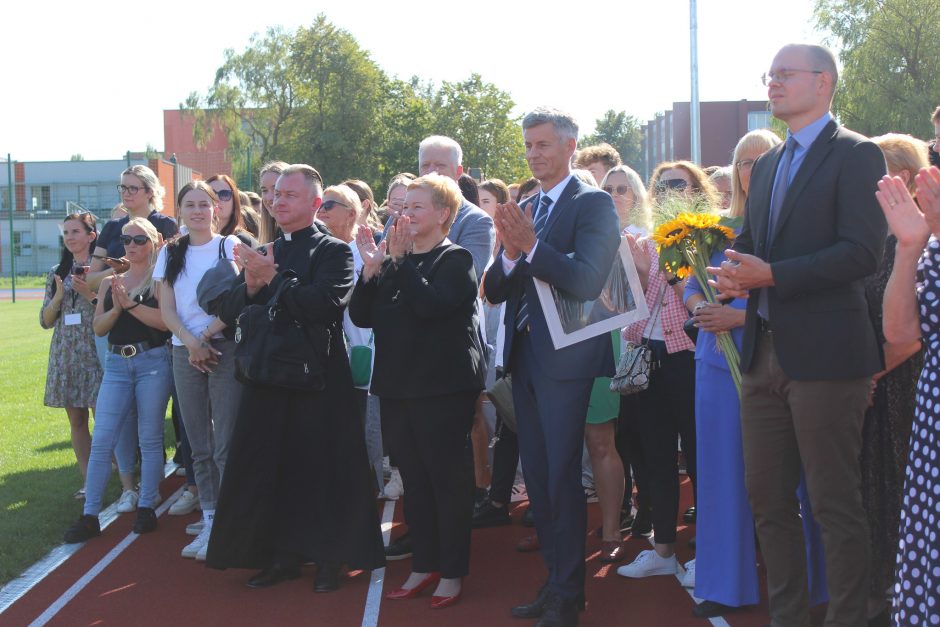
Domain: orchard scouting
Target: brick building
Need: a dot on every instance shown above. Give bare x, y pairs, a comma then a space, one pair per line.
668, 136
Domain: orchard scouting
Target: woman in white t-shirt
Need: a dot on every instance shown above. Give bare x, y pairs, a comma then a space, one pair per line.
203, 358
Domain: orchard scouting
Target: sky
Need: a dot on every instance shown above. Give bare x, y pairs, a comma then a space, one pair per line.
94, 77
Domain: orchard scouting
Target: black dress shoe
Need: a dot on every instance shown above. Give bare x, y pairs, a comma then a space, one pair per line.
536, 608
711, 609
327, 579
559, 612
85, 528
491, 516
642, 524
146, 520
689, 515
400, 549
273, 575
528, 518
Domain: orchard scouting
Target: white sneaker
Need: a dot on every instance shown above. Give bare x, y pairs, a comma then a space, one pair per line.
394, 488
193, 529
127, 502
688, 579
648, 564
180, 471
201, 555
192, 549
186, 503
386, 466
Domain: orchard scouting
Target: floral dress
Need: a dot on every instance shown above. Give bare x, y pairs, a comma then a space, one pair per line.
917, 585
74, 372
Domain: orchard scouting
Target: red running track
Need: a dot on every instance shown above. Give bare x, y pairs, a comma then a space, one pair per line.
148, 583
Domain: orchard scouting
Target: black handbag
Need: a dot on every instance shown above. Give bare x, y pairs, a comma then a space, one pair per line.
271, 349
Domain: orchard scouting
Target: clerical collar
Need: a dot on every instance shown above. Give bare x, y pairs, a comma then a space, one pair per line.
298, 233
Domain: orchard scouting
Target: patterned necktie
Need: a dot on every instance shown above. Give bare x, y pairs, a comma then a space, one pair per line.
779, 194
541, 218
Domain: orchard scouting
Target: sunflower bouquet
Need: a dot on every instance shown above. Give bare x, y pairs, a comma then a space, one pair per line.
689, 232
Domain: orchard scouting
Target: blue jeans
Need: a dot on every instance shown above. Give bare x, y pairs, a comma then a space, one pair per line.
125, 451
140, 383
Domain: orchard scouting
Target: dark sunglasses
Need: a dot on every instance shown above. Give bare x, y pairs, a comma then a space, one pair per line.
620, 189
329, 204
224, 194
140, 240
677, 184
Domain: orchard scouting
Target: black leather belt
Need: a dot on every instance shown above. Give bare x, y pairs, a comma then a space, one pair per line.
764, 325
129, 350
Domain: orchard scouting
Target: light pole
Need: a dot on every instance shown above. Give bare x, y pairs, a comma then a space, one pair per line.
696, 125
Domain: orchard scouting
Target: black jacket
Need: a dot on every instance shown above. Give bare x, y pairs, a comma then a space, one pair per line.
423, 314
829, 236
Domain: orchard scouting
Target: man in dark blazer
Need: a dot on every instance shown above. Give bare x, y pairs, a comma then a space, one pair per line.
567, 235
813, 231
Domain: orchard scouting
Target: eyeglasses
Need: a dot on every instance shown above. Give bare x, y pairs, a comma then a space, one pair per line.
130, 190
744, 164
329, 204
224, 194
140, 240
676, 184
783, 75
621, 190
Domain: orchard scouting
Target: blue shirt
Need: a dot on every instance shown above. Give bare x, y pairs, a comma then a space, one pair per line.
804, 139
111, 233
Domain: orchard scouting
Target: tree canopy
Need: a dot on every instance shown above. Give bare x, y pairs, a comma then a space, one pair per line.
316, 96
890, 50
621, 131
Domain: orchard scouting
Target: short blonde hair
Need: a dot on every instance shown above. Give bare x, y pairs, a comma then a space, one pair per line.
445, 194
904, 153
350, 198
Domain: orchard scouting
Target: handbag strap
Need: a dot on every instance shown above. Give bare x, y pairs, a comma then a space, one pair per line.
222, 248
656, 314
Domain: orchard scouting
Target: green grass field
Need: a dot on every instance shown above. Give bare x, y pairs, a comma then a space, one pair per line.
38, 473
22, 282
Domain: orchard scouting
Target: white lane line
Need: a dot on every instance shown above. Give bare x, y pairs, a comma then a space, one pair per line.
16, 588
718, 621
95, 570
370, 617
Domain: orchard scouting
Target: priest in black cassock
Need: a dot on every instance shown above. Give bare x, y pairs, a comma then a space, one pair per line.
298, 486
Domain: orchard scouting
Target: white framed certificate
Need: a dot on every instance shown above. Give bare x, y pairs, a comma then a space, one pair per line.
621, 302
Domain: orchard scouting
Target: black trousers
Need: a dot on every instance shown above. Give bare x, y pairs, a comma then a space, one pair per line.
428, 438
658, 415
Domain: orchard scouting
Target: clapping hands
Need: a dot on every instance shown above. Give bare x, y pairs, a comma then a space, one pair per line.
372, 255
515, 229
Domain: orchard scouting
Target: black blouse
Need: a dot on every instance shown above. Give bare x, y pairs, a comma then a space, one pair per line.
129, 330
423, 314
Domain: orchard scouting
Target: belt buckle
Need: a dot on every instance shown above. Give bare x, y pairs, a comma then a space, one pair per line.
128, 351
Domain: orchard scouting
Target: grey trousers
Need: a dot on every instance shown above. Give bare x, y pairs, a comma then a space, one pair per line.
209, 406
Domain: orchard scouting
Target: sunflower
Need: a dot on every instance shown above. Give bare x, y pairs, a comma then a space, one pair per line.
670, 233
698, 220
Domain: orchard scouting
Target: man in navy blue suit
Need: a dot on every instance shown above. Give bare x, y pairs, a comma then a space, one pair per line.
567, 236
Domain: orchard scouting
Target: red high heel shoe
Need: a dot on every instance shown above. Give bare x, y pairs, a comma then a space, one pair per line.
439, 603
404, 593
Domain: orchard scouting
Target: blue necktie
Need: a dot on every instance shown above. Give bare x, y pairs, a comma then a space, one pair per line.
779, 194
541, 218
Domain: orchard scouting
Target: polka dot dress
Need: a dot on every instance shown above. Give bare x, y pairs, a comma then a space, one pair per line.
917, 589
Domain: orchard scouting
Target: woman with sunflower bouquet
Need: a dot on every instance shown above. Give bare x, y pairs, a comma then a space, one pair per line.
658, 415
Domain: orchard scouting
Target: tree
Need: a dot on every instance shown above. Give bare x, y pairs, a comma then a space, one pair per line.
77, 157
478, 115
890, 50
624, 133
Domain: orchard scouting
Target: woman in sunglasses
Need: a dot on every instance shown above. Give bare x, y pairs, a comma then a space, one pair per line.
142, 197
137, 381
230, 220
203, 358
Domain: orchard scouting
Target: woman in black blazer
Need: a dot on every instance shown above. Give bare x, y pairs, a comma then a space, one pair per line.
417, 291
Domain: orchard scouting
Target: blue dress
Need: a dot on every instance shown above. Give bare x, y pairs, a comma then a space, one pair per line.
917, 586
726, 555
